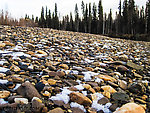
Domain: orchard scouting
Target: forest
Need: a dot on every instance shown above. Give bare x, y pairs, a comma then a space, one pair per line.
130, 22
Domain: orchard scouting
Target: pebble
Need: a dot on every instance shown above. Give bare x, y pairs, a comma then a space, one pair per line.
61, 71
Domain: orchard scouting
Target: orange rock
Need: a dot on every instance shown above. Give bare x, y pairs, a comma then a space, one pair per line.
64, 66
80, 99
106, 78
130, 108
42, 52
108, 89
4, 94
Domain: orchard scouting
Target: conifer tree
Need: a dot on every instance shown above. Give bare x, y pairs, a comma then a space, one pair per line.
100, 17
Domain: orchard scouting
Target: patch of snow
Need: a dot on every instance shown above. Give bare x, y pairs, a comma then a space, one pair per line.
3, 81
84, 93
16, 87
76, 105
88, 75
79, 87
63, 96
3, 70
98, 80
2, 101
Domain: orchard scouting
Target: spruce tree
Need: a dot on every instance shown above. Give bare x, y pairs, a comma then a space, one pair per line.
100, 17
76, 18
148, 17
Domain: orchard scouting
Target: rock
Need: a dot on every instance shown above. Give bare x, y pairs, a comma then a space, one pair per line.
58, 102
122, 69
106, 78
137, 75
27, 90
130, 108
10, 108
39, 86
76, 110
137, 88
134, 66
64, 66
120, 97
2, 45
56, 110
11, 98
37, 106
46, 93
4, 94
60, 74
107, 91
103, 101
140, 101
15, 68
42, 52
51, 81
80, 99
123, 58
21, 100
123, 84
113, 107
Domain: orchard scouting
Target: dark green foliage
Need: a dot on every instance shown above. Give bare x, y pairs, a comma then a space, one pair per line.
130, 20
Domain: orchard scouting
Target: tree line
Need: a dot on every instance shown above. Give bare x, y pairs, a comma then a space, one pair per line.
130, 19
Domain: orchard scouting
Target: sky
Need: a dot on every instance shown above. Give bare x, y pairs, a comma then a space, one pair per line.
18, 8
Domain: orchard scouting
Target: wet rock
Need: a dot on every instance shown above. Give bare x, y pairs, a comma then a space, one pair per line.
130, 108
80, 99
28, 90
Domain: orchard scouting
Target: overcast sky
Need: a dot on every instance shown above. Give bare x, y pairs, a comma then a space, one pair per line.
18, 8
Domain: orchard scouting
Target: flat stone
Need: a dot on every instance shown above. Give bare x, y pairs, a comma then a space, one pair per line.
103, 101
106, 78
122, 97
134, 66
